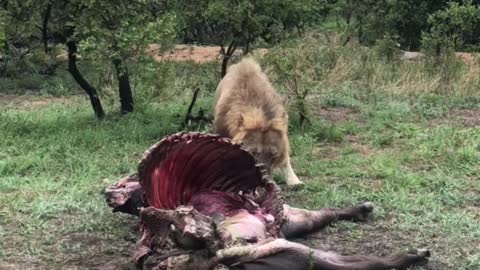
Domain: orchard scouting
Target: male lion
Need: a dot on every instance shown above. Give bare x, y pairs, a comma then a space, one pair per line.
248, 110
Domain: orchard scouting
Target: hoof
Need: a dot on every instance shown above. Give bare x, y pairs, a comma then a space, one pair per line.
364, 211
421, 256
367, 207
423, 252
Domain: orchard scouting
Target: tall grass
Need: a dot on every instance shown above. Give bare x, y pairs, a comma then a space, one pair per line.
364, 70
302, 69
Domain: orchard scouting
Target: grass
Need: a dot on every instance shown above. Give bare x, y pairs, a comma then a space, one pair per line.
54, 162
405, 153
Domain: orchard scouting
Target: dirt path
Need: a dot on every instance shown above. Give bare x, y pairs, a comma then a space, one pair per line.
196, 54
29, 101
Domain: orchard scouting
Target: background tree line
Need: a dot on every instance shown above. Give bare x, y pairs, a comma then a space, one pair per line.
117, 32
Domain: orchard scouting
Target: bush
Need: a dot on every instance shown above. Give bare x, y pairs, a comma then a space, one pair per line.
457, 28
371, 20
297, 66
308, 68
388, 47
3, 24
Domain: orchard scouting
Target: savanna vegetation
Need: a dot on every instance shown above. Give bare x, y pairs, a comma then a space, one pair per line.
82, 97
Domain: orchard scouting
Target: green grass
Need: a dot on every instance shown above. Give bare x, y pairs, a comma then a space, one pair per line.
55, 161
423, 177
398, 149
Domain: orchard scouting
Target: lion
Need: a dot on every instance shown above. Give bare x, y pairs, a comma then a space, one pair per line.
248, 110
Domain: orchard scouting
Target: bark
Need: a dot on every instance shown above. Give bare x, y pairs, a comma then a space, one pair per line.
246, 49
4, 61
199, 119
78, 77
46, 18
226, 56
124, 88
189, 115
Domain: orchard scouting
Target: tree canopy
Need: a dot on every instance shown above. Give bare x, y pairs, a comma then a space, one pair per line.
117, 32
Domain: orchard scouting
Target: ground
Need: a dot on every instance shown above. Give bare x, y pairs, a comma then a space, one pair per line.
417, 159
55, 161
196, 54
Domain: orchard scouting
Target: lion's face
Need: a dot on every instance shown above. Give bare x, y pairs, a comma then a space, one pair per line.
267, 147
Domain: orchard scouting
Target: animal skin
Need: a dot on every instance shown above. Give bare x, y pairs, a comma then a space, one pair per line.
249, 110
204, 203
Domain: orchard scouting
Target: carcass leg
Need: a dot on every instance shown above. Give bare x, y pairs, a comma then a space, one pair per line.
281, 254
302, 221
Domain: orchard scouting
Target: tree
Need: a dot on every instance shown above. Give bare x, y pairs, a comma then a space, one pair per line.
116, 31
456, 27
3, 28
371, 20
18, 30
102, 31
63, 22
234, 24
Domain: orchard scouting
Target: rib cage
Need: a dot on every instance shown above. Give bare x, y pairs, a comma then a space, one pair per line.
184, 164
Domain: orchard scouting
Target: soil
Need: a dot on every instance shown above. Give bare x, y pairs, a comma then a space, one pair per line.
29, 101
456, 117
371, 238
337, 114
465, 117
196, 54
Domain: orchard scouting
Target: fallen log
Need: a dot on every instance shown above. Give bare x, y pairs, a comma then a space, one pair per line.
204, 203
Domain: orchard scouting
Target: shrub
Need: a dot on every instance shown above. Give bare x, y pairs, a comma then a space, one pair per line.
456, 27
296, 67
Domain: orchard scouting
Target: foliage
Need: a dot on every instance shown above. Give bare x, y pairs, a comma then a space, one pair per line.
370, 20
456, 27
122, 29
21, 23
244, 21
388, 46
102, 31
324, 69
3, 28
298, 66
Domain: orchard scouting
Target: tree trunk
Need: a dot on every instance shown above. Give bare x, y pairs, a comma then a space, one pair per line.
226, 56
124, 89
246, 50
77, 76
46, 17
4, 65
189, 115
225, 65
